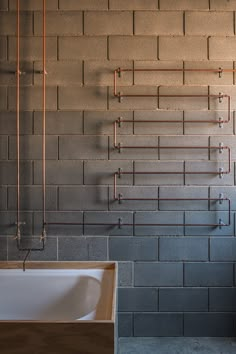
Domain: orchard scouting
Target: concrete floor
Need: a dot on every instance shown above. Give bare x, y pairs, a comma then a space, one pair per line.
177, 345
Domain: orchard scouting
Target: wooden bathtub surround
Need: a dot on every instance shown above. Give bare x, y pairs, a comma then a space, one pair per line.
61, 337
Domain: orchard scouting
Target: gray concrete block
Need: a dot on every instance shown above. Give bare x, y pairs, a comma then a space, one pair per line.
137, 299
212, 218
223, 249
8, 77
59, 73
34, 5
31, 98
158, 128
208, 78
158, 274
86, 48
59, 172
227, 141
143, 219
8, 123
184, 5
156, 22
60, 23
3, 48
3, 5
3, 249
3, 96
183, 300
183, 249
227, 192
102, 172
8, 223
133, 5
207, 128
60, 122
31, 48
111, 218
99, 23
125, 273
3, 147
83, 147
8, 23
133, 248
209, 325
83, 5
215, 103
72, 249
8, 172
133, 47
208, 274
31, 198
83, 198
223, 5
163, 178
222, 48
81, 98
158, 325
187, 192
31, 147
125, 325
141, 194
60, 218
3, 198
222, 300
97, 248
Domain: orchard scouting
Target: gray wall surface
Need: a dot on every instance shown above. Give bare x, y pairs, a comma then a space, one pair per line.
173, 280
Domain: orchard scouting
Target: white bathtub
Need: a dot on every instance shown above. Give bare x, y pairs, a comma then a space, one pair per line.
71, 302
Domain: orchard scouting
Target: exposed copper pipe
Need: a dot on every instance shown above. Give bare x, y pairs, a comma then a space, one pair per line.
18, 119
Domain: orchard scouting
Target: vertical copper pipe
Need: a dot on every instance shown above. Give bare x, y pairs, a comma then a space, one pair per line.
44, 122
18, 117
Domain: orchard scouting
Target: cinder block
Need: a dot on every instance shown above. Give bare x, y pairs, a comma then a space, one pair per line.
3, 98
9, 172
188, 153
34, 5
3, 247
133, 5
183, 249
31, 98
144, 219
136, 152
209, 325
183, 102
212, 218
72, 249
184, 5
158, 77
164, 168
158, 274
225, 5
112, 220
3, 198
158, 23
125, 324
82, 97
60, 172
101, 73
3, 147
102, 172
160, 127
71, 48
180, 192
209, 23
158, 325
208, 274
59, 23
137, 299
83, 5
183, 300
223, 249
97, 248
3, 5
222, 299
31, 147
208, 78
215, 103
99, 23
222, 48
133, 48
31, 198
207, 179
83, 147
125, 273
60, 218
32, 48
8, 77
140, 194
225, 192
83, 198
182, 48
102, 122
227, 141
59, 73
134, 103
60, 122
3, 48
133, 248
8, 24
207, 128
8, 223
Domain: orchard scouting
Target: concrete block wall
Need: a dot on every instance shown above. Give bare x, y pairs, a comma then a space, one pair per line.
173, 280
